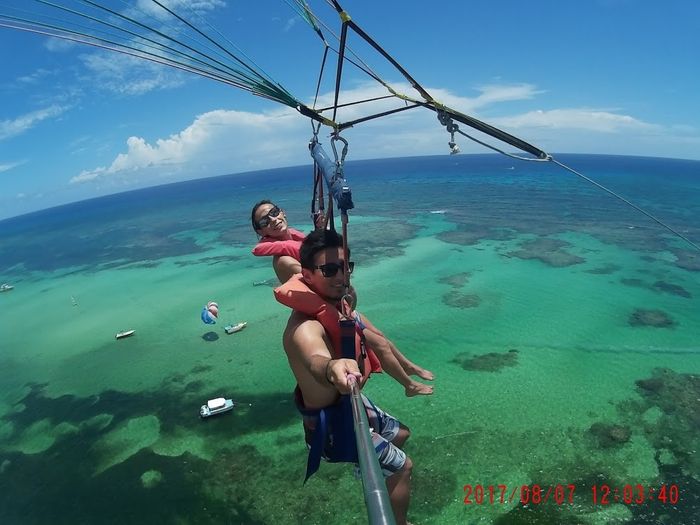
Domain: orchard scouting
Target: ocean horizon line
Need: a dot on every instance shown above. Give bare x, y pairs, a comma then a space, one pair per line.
348, 163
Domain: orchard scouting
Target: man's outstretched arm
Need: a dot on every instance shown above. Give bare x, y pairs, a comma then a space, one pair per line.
309, 352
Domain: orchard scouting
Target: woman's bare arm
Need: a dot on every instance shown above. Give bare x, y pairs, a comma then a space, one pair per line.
285, 267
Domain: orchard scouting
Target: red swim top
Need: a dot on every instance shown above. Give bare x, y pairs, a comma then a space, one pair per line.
269, 246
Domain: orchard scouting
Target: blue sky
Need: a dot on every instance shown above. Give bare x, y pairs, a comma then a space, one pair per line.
596, 76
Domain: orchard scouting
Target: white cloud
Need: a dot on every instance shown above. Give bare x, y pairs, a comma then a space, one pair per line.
489, 95
684, 129
127, 75
599, 121
34, 78
9, 166
228, 139
12, 128
179, 6
59, 45
88, 175
494, 93
224, 141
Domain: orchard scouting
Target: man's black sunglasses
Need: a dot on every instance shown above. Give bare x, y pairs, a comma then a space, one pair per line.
330, 269
265, 220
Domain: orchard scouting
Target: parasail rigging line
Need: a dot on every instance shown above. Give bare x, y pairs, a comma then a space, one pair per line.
261, 81
446, 114
316, 22
138, 51
373, 99
129, 32
131, 41
351, 123
228, 41
339, 71
626, 201
194, 28
208, 57
119, 48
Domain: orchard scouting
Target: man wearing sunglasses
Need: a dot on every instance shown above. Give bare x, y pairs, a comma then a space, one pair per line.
322, 375
283, 243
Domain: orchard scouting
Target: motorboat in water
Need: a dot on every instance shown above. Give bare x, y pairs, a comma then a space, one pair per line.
233, 328
4, 287
215, 406
125, 333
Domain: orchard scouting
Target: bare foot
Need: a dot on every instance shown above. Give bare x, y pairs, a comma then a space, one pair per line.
418, 389
415, 370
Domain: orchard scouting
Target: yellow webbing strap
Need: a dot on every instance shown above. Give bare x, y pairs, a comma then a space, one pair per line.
344, 16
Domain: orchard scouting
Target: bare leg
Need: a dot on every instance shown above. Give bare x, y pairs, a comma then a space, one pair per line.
391, 365
408, 366
402, 435
399, 484
399, 487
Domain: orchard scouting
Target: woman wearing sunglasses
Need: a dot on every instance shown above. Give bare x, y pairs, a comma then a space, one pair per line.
277, 239
282, 243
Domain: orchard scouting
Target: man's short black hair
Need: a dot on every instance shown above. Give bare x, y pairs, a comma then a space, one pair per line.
317, 241
255, 208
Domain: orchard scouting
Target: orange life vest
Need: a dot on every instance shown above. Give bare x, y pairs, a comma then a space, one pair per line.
298, 296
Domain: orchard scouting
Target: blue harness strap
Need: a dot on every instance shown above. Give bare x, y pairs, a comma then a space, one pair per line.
334, 435
358, 321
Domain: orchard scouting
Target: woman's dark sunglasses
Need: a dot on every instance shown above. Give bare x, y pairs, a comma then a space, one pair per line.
265, 220
330, 269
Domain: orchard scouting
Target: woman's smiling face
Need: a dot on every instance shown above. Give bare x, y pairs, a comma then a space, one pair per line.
271, 221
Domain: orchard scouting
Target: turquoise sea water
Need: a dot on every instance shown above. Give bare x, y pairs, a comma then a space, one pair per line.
561, 324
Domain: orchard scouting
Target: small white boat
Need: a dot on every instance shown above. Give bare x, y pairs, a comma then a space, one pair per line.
4, 287
233, 328
216, 406
125, 333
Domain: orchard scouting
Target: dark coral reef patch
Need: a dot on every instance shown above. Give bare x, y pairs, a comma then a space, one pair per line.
655, 318
490, 362
673, 289
550, 251
606, 269
674, 432
675, 394
688, 260
609, 435
457, 280
658, 286
470, 234
461, 300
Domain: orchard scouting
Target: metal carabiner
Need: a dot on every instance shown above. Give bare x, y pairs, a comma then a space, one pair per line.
451, 129
335, 137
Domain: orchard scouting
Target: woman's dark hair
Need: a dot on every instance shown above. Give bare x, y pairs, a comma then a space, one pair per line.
255, 208
317, 241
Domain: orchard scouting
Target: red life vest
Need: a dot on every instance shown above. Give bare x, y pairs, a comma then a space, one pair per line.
298, 296
269, 246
